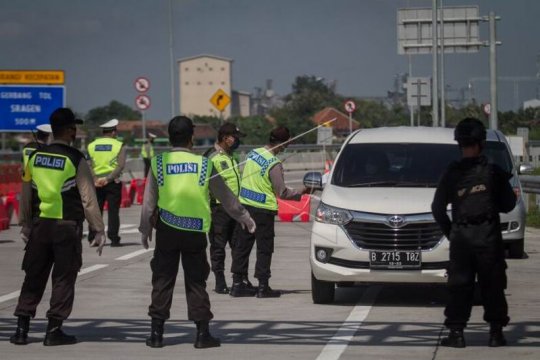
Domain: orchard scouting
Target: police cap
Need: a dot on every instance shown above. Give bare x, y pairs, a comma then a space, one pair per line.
470, 131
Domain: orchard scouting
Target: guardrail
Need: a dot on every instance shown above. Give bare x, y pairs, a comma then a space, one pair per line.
530, 183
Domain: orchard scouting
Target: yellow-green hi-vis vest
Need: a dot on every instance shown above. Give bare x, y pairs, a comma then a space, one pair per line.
145, 154
256, 188
52, 170
183, 195
104, 153
28, 149
227, 167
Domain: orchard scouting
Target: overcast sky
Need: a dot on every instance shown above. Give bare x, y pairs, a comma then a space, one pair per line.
103, 45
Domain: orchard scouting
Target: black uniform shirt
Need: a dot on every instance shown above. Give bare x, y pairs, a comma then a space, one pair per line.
504, 196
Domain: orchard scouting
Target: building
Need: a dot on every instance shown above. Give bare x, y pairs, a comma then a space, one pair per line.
340, 125
532, 103
241, 103
199, 79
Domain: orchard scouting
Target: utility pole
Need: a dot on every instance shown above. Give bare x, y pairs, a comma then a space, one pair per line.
435, 75
171, 59
493, 119
443, 90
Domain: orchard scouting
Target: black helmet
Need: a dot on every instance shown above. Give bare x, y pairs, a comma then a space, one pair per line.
470, 131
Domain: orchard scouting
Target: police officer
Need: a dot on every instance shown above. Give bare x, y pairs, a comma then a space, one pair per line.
147, 152
223, 157
41, 138
177, 197
262, 183
108, 157
478, 192
57, 194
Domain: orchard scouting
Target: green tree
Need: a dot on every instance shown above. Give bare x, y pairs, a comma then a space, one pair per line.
114, 109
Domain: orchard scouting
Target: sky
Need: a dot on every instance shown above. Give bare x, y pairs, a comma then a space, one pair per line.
104, 45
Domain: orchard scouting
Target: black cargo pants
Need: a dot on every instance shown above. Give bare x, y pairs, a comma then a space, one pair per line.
190, 246
56, 245
243, 243
112, 193
476, 251
221, 234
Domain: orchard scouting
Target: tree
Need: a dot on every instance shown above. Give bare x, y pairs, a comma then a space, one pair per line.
115, 109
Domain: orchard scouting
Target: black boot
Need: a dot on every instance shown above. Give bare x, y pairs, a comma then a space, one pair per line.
265, 291
241, 287
55, 336
455, 339
155, 340
221, 284
496, 337
204, 339
21, 334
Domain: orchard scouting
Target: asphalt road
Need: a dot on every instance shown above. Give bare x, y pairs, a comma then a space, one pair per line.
366, 322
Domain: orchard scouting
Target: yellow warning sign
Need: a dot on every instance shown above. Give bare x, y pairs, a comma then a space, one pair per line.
32, 77
220, 100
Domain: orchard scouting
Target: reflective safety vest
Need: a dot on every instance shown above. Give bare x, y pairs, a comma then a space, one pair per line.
28, 149
256, 189
227, 167
147, 151
52, 170
183, 195
104, 153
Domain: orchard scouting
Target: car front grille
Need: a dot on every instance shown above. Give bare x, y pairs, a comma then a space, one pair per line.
378, 236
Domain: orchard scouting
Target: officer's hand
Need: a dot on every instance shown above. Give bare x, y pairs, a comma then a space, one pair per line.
249, 225
99, 241
145, 239
102, 181
25, 234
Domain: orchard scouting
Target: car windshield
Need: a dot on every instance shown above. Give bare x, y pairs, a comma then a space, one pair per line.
404, 165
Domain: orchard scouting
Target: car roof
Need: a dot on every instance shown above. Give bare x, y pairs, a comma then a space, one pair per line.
418, 134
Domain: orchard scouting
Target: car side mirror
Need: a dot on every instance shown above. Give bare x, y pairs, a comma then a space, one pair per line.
525, 169
313, 180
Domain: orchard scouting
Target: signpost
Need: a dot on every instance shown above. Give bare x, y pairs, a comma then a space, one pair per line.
142, 101
350, 106
24, 107
220, 100
418, 93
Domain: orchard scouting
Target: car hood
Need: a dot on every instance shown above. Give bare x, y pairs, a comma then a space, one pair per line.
380, 200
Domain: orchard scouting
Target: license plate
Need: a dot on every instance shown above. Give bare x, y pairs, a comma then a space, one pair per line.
395, 259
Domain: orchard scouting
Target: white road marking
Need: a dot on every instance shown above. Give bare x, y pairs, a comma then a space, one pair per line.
9, 296
134, 253
92, 268
87, 270
339, 342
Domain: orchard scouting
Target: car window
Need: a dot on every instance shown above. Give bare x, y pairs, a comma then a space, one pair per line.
393, 164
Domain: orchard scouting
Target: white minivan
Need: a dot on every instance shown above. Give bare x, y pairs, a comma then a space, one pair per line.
374, 222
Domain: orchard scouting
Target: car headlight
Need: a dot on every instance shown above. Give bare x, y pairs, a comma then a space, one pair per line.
331, 215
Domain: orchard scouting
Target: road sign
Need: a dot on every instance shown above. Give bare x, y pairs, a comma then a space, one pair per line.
143, 102
220, 100
142, 84
22, 108
32, 77
350, 106
324, 135
487, 108
461, 30
419, 91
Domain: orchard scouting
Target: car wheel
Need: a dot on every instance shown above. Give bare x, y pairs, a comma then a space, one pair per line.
516, 249
322, 292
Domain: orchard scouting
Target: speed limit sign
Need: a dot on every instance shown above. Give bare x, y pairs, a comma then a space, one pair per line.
350, 106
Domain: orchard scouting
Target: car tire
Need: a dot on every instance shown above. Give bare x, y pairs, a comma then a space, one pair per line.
516, 249
322, 292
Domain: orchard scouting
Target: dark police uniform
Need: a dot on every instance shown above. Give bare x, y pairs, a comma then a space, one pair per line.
58, 193
221, 231
108, 156
178, 190
478, 191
